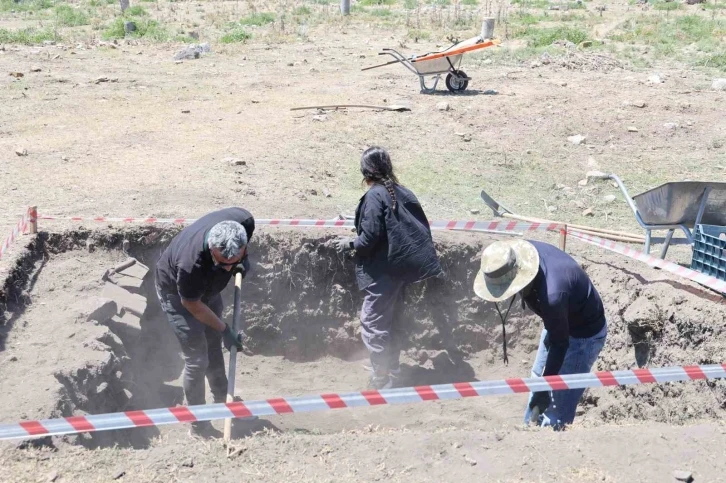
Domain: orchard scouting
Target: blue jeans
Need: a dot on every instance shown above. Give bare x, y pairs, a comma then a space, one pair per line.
580, 357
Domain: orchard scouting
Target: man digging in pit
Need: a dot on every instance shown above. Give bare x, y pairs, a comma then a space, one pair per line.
190, 276
554, 286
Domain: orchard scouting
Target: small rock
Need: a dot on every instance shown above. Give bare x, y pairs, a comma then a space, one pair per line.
326, 193
99, 309
490, 92
189, 53
21, 151
17, 75
64, 158
585, 44
443, 106
101, 387
671, 125
640, 104
313, 70
204, 48
551, 209
290, 64
90, 246
474, 211
101, 79
49, 42
577, 139
320, 117
470, 461
35, 68
632, 129
129, 27
588, 212
12, 359
582, 182
681, 475
234, 162
313, 192
535, 64
118, 474
188, 463
185, 111
655, 79
563, 84
609, 198
52, 476
595, 174
719, 84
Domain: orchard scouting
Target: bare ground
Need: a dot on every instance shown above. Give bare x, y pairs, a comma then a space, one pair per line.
125, 148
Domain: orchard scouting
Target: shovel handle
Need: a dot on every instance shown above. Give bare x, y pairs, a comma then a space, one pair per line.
233, 352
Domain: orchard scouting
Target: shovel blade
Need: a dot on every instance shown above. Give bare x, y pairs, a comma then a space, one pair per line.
491, 203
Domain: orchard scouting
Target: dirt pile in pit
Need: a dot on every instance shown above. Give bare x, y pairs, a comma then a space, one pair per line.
655, 323
56, 360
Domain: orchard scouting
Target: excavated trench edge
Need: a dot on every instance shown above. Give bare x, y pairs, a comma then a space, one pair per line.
304, 315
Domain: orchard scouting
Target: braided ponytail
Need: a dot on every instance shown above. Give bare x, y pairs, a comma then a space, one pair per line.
389, 186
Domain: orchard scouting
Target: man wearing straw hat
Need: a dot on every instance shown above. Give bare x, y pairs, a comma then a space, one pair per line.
554, 286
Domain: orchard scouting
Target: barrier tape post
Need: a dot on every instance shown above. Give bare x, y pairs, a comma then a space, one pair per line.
20, 227
563, 238
33, 213
326, 402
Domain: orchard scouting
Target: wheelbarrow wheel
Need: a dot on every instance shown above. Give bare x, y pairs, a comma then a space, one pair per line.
457, 81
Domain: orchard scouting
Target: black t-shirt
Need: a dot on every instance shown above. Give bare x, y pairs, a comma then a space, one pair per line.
186, 266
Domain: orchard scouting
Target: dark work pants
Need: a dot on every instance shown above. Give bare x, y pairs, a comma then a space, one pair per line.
201, 347
379, 317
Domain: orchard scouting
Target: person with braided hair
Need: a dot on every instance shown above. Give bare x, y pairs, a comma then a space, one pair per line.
393, 249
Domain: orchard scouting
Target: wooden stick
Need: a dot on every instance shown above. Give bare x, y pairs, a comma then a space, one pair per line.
392, 107
590, 229
563, 238
233, 352
610, 237
33, 220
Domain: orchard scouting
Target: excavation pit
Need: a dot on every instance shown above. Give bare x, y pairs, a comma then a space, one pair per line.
300, 309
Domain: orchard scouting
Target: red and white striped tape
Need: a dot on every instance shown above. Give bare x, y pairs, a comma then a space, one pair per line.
702, 278
326, 402
19, 228
455, 225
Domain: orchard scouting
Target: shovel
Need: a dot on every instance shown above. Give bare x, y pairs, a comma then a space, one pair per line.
233, 352
392, 107
504, 212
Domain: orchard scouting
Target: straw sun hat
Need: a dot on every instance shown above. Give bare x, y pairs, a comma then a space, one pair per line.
506, 268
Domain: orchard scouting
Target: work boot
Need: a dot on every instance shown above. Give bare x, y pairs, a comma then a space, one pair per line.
388, 381
204, 430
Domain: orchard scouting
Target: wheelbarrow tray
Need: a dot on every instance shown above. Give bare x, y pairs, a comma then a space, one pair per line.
441, 62
677, 203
